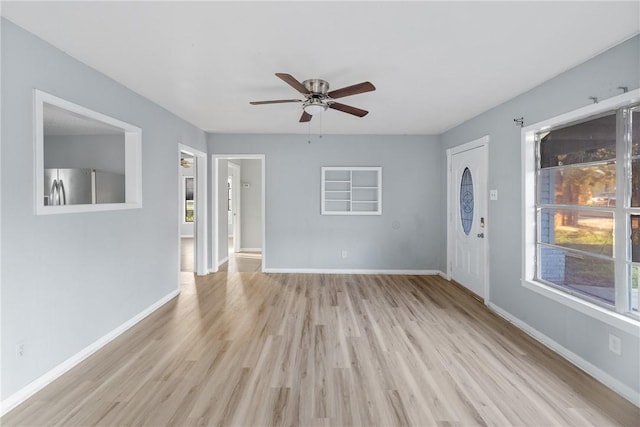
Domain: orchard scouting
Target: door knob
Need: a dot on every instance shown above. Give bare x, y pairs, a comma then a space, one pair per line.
481, 235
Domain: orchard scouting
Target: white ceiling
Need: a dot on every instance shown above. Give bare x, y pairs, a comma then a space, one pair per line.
58, 121
435, 64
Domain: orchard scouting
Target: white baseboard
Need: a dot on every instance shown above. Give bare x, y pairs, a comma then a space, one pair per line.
352, 271
186, 235
223, 260
445, 276
250, 249
33, 387
622, 389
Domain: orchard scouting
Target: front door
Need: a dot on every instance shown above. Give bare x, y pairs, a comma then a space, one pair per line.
467, 217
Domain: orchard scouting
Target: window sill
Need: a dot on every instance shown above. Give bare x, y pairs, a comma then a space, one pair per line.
100, 207
617, 320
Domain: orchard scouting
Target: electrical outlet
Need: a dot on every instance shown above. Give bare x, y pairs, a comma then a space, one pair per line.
345, 254
493, 194
615, 344
20, 349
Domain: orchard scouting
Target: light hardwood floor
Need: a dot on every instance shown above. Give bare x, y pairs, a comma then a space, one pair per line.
186, 253
245, 349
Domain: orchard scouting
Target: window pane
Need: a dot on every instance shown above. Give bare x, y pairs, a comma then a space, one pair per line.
466, 201
188, 188
635, 183
586, 231
635, 238
591, 141
635, 281
580, 274
189, 212
588, 185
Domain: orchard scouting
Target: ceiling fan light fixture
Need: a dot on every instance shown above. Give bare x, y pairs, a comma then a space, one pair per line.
314, 107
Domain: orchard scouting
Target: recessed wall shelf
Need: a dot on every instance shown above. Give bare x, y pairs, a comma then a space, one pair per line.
351, 190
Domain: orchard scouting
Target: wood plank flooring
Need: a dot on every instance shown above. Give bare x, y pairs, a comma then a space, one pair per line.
251, 349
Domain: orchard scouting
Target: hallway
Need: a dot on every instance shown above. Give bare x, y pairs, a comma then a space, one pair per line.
238, 262
242, 262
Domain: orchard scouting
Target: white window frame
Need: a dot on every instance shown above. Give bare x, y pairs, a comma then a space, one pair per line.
132, 153
528, 141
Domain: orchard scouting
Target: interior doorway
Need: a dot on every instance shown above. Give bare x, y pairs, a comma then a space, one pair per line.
239, 213
192, 211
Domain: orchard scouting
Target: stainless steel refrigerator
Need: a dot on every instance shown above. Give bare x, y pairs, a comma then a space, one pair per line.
82, 187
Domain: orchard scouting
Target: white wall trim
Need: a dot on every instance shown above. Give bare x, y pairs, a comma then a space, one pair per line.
235, 171
133, 157
623, 390
222, 261
250, 249
445, 276
354, 271
39, 383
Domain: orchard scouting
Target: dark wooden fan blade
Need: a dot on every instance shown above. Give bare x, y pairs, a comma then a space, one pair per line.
306, 117
348, 109
291, 81
352, 90
277, 101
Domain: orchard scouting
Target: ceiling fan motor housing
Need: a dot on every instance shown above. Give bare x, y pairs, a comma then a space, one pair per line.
317, 86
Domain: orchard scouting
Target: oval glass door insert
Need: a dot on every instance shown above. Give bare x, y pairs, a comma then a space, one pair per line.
466, 201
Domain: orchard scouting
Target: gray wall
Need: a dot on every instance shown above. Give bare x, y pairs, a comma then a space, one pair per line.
251, 204
582, 335
102, 152
297, 236
69, 279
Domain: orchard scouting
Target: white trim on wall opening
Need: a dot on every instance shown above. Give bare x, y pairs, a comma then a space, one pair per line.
235, 172
132, 149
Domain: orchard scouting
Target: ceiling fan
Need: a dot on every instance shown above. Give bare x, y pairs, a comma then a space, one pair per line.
318, 98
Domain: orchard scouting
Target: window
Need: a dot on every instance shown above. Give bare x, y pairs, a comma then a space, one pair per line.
351, 191
582, 205
84, 160
189, 203
466, 201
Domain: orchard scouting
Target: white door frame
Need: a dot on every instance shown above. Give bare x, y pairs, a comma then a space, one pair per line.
484, 141
235, 171
200, 225
214, 193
